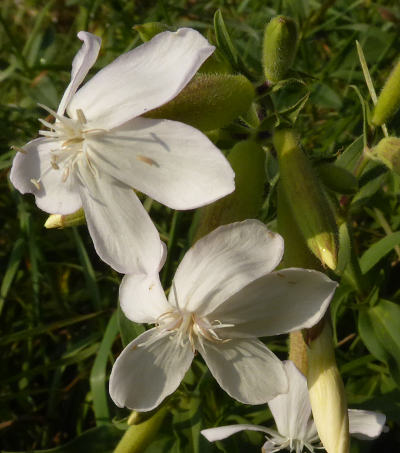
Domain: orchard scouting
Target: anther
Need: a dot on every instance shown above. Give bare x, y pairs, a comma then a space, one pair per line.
81, 116
71, 141
65, 174
147, 160
18, 149
36, 183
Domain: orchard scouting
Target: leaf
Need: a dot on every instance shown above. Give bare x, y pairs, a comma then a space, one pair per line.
223, 39
98, 375
351, 155
344, 254
379, 330
128, 329
378, 250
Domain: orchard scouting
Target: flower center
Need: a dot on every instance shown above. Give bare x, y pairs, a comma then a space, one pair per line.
71, 133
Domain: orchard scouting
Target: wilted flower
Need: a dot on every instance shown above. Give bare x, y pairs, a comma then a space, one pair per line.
223, 297
99, 147
292, 414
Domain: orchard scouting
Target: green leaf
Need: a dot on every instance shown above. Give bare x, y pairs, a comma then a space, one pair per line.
378, 250
128, 329
350, 157
98, 375
223, 39
379, 330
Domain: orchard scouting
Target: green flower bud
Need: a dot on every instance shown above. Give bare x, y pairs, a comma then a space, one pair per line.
389, 99
209, 101
337, 178
388, 150
64, 221
150, 29
279, 49
247, 160
306, 198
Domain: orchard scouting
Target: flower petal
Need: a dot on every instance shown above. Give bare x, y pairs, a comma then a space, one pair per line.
141, 80
169, 161
123, 234
53, 195
292, 410
83, 61
222, 432
142, 298
283, 301
223, 262
246, 369
366, 425
149, 369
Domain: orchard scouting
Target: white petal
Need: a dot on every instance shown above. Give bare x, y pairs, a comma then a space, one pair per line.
144, 78
292, 410
246, 369
123, 234
83, 61
171, 162
142, 298
366, 424
53, 196
145, 374
223, 262
283, 301
222, 432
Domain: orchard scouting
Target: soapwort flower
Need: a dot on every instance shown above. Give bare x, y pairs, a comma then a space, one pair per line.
99, 148
223, 297
295, 427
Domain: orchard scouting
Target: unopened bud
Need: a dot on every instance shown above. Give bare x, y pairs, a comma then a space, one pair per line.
306, 198
209, 101
279, 49
64, 221
389, 99
327, 395
337, 178
388, 151
150, 29
247, 159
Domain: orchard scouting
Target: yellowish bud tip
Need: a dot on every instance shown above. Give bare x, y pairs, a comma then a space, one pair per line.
327, 395
389, 100
54, 221
388, 151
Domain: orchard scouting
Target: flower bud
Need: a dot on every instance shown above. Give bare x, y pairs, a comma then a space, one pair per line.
64, 221
327, 395
389, 99
279, 48
209, 101
388, 150
306, 198
150, 29
247, 159
337, 178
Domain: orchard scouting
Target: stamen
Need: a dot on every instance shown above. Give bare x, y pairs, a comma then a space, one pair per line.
54, 165
46, 123
65, 174
18, 149
72, 141
36, 183
147, 160
81, 116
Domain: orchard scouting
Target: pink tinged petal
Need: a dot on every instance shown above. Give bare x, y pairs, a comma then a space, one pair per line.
366, 425
246, 369
83, 61
52, 193
142, 298
171, 162
283, 301
141, 80
292, 410
149, 369
222, 432
122, 232
223, 262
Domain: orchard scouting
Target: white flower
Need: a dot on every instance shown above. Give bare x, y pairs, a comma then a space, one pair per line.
292, 414
99, 148
222, 298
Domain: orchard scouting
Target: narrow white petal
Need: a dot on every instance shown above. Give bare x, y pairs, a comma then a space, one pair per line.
145, 374
52, 194
144, 78
283, 301
83, 61
292, 410
246, 369
123, 234
171, 162
222, 432
366, 424
142, 298
223, 262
